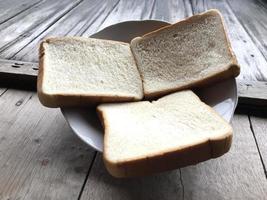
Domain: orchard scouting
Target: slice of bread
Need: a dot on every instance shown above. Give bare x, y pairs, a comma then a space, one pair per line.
148, 137
80, 71
191, 53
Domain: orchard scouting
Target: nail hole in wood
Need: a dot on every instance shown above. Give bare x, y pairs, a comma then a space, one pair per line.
15, 66
35, 68
19, 102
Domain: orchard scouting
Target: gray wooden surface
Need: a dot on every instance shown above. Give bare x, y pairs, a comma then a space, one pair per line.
40, 157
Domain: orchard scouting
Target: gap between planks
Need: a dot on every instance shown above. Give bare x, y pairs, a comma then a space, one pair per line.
87, 174
3, 91
256, 142
23, 10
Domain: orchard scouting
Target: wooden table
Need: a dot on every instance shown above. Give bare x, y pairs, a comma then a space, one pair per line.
40, 157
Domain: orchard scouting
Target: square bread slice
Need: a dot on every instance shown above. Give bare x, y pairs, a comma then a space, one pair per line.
82, 71
191, 53
177, 130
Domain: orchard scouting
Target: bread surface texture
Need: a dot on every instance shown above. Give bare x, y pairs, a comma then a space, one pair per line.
191, 53
145, 137
80, 71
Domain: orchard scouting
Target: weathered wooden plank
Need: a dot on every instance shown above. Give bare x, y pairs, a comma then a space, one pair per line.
73, 23
252, 15
259, 128
252, 62
12, 8
128, 10
171, 11
100, 185
95, 24
23, 28
252, 93
18, 67
40, 156
236, 175
18, 74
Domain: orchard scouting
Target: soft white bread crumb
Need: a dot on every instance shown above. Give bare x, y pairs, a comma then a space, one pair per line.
84, 71
147, 137
190, 53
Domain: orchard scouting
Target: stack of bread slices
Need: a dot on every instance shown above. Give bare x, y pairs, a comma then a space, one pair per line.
152, 121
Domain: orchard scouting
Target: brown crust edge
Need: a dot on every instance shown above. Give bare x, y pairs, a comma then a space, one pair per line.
232, 70
61, 100
189, 155
169, 161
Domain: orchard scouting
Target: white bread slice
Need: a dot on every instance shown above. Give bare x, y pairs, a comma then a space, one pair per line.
148, 137
83, 71
191, 53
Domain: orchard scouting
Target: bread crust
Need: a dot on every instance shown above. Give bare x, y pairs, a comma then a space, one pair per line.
232, 70
170, 159
61, 100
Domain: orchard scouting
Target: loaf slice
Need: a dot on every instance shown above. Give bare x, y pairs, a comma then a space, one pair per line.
175, 131
191, 53
83, 71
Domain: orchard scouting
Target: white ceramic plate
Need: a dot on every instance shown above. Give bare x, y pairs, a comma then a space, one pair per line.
84, 121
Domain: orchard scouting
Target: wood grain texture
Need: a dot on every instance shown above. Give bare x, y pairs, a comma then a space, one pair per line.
76, 22
252, 93
128, 10
252, 15
18, 74
170, 11
40, 156
22, 29
259, 128
101, 186
252, 62
11, 8
236, 175
18, 67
